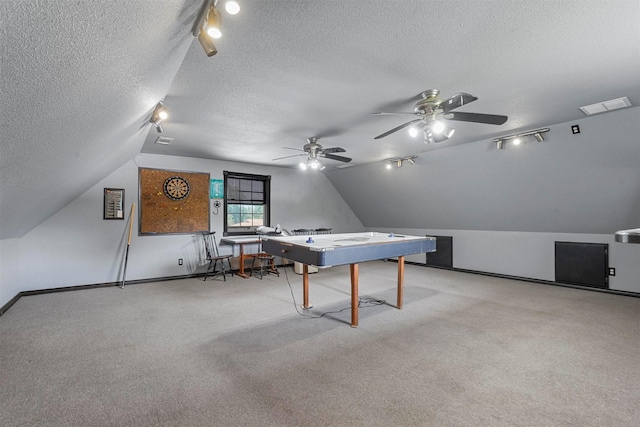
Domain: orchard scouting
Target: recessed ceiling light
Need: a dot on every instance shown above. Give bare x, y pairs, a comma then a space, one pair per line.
601, 107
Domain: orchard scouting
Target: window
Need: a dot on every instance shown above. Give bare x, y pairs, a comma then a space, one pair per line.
246, 202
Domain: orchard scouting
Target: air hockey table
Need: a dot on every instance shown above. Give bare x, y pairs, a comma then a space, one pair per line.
327, 250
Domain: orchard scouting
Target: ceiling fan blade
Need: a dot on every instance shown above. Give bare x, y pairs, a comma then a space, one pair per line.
457, 100
382, 113
333, 150
399, 103
289, 148
334, 157
439, 137
490, 119
389, 132
286, 157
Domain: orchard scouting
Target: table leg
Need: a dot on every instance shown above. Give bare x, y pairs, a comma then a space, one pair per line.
353, 269
305, 286
400, 282
241, 273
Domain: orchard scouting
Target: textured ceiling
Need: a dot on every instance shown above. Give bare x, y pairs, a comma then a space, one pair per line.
79, 80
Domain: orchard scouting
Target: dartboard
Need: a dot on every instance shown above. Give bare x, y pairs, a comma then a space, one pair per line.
176, 188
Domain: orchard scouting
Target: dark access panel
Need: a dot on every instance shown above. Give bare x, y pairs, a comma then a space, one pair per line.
443, 256
583, 264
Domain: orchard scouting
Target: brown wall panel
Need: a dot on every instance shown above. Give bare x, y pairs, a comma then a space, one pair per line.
160, 214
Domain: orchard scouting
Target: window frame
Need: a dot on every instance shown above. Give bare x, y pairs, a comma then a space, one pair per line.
266, 202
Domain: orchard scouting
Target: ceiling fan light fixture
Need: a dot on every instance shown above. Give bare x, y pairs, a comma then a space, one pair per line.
538, 136
388, 166
500, 144
431, 110
438, 127
413, 131
428, 137
517, 141
315, 164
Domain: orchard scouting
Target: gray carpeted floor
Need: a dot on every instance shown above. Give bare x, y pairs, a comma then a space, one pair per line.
466, 350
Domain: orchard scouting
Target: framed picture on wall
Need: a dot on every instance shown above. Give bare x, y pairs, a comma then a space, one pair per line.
113, 206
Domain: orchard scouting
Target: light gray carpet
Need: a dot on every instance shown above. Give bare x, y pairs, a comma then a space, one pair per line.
466, 350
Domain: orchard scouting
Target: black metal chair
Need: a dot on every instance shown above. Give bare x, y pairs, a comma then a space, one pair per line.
214, 257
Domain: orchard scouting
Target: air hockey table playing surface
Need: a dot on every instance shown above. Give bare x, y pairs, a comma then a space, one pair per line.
325, 250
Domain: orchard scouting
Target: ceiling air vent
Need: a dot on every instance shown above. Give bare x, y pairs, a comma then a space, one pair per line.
164, 140
601, 107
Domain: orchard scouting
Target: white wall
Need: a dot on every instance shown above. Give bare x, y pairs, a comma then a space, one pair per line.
76, 246
529, 255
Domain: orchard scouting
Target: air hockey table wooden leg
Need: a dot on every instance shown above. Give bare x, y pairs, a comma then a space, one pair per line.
353, 269
305, 287
400, 282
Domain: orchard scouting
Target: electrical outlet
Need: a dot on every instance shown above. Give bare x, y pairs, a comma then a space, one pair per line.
179, 261
612, 271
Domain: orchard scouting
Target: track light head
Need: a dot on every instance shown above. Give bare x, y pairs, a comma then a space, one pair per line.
538, 134
160, 113
232, 7
207, 44
212, 24
398, 162
208, 25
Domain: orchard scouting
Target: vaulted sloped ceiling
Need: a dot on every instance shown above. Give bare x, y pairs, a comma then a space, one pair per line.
80, 79
79, 83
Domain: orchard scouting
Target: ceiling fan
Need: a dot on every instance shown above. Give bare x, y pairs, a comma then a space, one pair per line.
431, 110
313, 150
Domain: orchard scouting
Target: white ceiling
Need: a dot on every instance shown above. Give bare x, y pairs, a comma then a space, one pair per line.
80, 79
